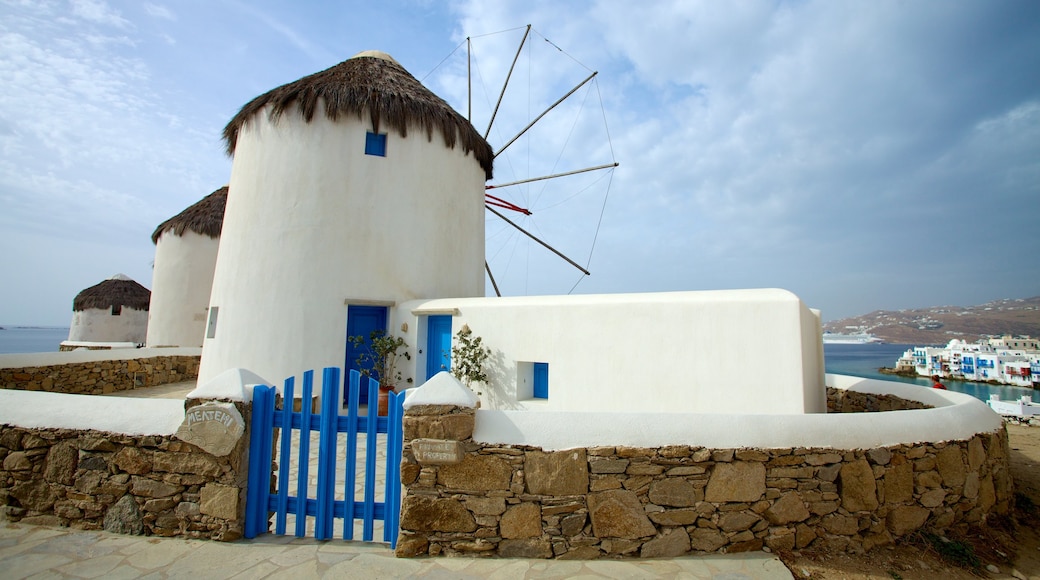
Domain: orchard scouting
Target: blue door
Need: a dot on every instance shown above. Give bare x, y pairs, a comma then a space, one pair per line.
438, 344
362, 321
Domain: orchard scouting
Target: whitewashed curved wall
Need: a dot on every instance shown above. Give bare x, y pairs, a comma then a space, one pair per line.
182, 278
97, 325
314, 222
739, 351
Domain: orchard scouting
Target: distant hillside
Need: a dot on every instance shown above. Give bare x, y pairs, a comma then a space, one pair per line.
939, 324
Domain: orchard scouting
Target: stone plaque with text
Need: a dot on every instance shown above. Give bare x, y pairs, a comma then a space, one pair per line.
437, 451
214, 427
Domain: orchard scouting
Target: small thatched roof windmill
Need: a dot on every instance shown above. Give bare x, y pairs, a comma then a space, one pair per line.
115, 310
185, 256
355, 189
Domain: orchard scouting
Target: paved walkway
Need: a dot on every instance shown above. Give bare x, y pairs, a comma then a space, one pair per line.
28, 551
41, 552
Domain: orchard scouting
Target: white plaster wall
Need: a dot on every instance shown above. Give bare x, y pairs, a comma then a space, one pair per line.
740, 351
314, 223
182, 278
97, 325
955, 416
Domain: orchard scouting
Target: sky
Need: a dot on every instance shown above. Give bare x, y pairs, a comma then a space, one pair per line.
863, 155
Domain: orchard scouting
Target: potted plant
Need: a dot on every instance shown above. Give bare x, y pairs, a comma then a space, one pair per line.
468, 356
378, 358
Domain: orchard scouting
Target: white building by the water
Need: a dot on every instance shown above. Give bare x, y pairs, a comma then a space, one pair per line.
982, 362
113, 311
182, 275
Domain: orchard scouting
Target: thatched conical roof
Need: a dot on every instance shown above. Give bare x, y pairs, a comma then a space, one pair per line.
205, 217
116, 291
373, 83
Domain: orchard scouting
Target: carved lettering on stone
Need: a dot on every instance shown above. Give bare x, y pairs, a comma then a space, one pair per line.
214, 427
437, 451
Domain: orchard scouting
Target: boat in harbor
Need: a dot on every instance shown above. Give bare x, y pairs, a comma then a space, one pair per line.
842, 338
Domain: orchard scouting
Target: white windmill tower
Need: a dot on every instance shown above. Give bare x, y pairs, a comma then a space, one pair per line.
182, 276
355, 189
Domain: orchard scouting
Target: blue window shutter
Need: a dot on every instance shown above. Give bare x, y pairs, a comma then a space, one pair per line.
375, 144
541, 380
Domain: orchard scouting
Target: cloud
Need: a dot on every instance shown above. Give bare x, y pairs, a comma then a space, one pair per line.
99, 12
159, 11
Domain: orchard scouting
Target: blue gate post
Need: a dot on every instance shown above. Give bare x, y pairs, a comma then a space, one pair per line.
259, 481
327, 436
394, 449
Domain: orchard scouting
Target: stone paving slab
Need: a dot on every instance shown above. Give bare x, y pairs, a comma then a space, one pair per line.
28, 551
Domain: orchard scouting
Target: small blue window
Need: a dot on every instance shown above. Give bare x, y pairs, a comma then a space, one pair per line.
375, 144
541, 380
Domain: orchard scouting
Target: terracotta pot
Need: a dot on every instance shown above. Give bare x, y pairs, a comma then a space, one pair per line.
384, 400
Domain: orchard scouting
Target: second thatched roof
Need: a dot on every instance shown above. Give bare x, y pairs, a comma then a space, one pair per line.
204, 217
116, 291
374, 83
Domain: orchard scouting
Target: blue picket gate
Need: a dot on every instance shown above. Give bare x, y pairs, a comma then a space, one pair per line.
279, 499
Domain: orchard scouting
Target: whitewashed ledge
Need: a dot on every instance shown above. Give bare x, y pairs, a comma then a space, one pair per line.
129, 416
126, 415
42, 359
955, 416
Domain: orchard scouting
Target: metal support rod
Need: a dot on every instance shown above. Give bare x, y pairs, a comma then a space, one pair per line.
506, 84
565, 174
492, 276
535, 238
469, 83
545, 112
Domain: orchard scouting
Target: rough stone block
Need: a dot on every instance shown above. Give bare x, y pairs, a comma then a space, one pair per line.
608, 465
736, 482
486, 506
902, 520
618, 514
531, 548
682, 517
188, 463
557, 473
476, 473
858, 488
458, 427
17, 461
428, 514
950, 464
707, 540
789, 508
144, 487
219, 501
521, 521
899, 484
133, 460
673, 492
60, 465
737, 521
124, 517
672, 543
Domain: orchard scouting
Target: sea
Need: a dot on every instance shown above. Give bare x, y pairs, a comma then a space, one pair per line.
20, 339
864, 360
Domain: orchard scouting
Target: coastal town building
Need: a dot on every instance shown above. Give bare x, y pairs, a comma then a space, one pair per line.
182, 274
984, 361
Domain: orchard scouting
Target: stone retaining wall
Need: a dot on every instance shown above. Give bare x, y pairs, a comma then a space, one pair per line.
468, 498
143, 484
102, 376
